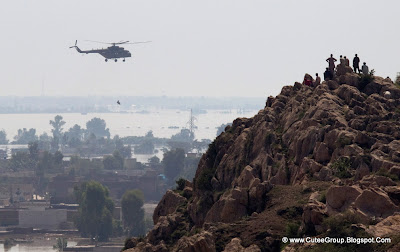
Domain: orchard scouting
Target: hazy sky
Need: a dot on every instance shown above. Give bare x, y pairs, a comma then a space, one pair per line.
208, 47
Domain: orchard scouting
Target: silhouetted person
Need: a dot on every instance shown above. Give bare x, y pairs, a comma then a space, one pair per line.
342, 61
118, 102
331, 60
356, 64
346, 61
328, 74
308, 80
365, 69
317, 80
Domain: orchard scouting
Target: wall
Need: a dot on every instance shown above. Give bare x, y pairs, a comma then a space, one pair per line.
8, 217
48, 219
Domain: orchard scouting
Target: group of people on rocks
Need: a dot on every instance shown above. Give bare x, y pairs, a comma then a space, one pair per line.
330, 70
344, 62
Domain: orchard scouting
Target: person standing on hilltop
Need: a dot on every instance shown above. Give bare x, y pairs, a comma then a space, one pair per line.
331, 60
317, 80
346, 61
365, 69
308, 80
356, 64
342, 61
328, 74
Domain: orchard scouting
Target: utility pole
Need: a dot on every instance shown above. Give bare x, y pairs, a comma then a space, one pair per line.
191, 121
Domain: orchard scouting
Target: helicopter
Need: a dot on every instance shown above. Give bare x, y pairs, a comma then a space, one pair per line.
112, 52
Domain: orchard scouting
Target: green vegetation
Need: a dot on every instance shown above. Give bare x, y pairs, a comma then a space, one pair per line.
397, 81
292, 229
291, 212
385, 173
301, 115
114, 162
146, 146
61, 244
269, 139
173, 162
180, 184
94, 218
189, 168
3, 137
342, 167
365, 79
340, 226
343, 141
97, 127
133, 213
154, 160
322, 197
25, 136
184, 136
125, 151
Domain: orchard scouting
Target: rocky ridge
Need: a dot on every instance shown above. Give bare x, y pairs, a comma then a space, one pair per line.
310, 156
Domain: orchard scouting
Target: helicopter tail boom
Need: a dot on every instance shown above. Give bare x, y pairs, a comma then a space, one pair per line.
76, 47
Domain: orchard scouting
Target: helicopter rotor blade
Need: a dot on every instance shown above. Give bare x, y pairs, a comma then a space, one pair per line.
100, 42
119, 43
140, 42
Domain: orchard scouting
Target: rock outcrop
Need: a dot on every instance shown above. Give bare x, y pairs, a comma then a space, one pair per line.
309, 155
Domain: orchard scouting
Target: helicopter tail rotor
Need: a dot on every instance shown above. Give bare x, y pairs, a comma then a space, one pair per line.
76, 41
76, 47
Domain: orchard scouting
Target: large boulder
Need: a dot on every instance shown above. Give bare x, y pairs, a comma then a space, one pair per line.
339, 198
376, 181
230, 207
321, 153
235, 246
375, 203
246, 177
202, 242
164, 227
314, 213
388, 226
167, 205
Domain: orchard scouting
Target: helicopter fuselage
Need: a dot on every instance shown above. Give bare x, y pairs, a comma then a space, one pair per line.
112, 52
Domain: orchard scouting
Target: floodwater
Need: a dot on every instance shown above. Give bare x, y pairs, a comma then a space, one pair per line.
163, 122
36, 246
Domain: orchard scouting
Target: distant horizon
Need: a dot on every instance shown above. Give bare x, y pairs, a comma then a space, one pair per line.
142, 96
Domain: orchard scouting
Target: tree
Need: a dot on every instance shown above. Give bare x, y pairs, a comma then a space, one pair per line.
74, 136
21, 161
114, 162
33, 150
133, 213
145, 147
154, 160
184, 136
57, 126
3, 137
44, 141
125, 151
95, 211
25, 136
61, 244
173, 162
97, 126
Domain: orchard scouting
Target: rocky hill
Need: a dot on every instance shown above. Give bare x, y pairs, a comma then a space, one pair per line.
321, 161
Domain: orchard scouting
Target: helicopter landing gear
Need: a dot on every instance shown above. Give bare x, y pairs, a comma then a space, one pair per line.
106, 60
115, 60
